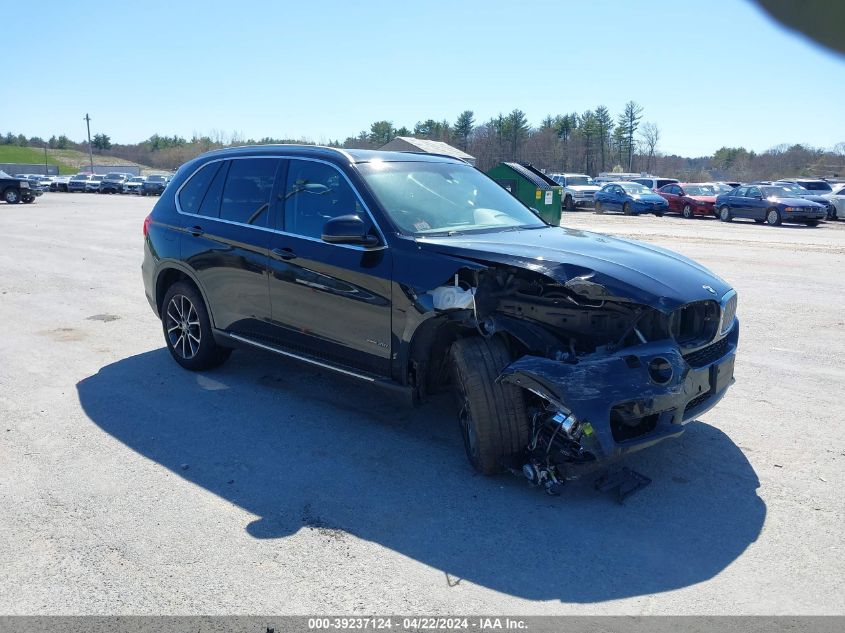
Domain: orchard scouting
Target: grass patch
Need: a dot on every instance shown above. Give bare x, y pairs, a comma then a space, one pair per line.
27, 155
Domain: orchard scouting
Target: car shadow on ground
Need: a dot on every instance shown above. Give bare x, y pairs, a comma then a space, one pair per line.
305, 449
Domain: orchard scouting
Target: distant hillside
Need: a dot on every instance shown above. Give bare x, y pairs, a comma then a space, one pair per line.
69, 161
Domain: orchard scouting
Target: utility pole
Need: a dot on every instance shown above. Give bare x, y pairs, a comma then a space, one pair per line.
90, 151
46, 171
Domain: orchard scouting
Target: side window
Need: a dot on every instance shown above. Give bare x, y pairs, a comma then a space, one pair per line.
246, 194
192, 193
211, 202
753, 192
314, 193
741, 192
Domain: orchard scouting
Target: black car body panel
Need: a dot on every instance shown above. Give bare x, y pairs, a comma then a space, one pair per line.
631, 339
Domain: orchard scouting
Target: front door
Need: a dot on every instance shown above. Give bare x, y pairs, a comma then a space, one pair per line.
328, 300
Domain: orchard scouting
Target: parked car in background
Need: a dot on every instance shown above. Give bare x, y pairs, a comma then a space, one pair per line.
814, 185
722, 187
14, 190
59, 183
133, 185
154, 185
34, 181
654, 183
837, 199
92, 185
579, 190
631, 198
113, 182
802, 192
77, 182
770, 204
690, 199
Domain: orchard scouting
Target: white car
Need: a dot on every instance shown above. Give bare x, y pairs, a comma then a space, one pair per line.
653, 182
837, 198
133, 185
579, 190
93, 182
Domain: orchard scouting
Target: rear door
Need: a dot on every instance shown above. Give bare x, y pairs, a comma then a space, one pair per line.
328, 300
227, 238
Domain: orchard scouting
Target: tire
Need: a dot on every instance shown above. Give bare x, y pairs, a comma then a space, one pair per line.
492, 416
812, 222
568, 204
725, 214
688, 212
597, 207
658, 214
773, 217
12, 195
626, 208
184, 313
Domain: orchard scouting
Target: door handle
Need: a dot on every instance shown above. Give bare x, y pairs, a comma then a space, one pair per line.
284, 253
196, 231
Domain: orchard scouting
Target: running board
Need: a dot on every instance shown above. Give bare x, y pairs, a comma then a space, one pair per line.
379, 382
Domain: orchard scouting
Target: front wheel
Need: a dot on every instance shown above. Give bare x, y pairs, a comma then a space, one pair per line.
725, 214
12, 195
773, 217
492, 416
568, 204
187, 329
597, 207
626, 209
687, 212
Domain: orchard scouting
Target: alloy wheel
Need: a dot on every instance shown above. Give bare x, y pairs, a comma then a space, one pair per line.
183, 327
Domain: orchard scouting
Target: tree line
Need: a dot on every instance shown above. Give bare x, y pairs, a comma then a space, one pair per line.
589, 142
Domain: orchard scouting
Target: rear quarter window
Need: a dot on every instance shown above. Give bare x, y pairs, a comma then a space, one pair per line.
193, 191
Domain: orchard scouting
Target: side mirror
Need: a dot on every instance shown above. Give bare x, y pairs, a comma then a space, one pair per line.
348, 229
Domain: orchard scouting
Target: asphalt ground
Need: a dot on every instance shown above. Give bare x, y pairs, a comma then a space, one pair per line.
130, 486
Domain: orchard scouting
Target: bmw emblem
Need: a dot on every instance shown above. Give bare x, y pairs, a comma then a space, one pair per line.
709, 289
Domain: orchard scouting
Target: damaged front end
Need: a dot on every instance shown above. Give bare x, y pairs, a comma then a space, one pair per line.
607, 374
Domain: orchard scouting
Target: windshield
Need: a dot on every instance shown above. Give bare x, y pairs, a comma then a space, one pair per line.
95, 178
579, 180
79, 177
137, 179
635, 189
429, 198
3, 174
817, 185
795, 190
701, 190
777, 192
155, 179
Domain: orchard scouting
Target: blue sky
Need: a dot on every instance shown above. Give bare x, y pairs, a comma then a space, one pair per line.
708, 72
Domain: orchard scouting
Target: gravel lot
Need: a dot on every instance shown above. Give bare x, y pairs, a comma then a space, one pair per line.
128, 485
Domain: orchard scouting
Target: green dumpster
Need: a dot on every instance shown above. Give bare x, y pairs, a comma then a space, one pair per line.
531, 187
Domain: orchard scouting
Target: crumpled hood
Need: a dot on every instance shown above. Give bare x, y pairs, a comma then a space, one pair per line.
595, 265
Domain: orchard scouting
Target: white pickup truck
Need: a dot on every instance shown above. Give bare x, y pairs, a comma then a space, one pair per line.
578, 190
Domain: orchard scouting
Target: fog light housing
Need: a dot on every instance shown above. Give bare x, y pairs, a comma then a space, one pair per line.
660, 371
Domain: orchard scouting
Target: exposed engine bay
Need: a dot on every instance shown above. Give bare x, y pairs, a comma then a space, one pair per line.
604, 375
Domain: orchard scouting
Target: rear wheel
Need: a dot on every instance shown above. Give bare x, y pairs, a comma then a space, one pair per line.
187, 329
725, 214
773, 217
687, 212
492, 416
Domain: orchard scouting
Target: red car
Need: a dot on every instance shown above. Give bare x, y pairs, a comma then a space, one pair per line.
690, 199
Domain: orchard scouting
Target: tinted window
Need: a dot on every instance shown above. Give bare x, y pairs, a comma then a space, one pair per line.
817, 185
246, 194
643, 181
741, 192
193, 191
662, 182
753, 192
315, 193
211, 201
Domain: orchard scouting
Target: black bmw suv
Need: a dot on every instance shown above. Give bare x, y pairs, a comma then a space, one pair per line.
565, 349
